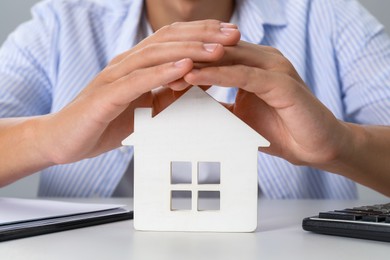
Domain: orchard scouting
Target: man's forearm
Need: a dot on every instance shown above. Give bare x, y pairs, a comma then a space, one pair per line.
19, 155
366, 159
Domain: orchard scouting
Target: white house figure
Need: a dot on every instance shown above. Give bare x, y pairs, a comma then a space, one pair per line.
194, 134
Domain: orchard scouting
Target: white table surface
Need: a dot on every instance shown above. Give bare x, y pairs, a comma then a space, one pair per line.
279, 236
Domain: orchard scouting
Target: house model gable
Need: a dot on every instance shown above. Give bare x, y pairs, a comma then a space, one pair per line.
195, 132
194, 111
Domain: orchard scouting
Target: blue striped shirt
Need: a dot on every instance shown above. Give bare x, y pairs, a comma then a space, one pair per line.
338, 48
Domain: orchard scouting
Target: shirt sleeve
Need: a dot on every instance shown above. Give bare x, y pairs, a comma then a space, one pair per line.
363, 54
27, 64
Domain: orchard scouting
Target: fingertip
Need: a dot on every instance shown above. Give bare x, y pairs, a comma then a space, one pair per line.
191, 76
232, 35
178, 85
183, 63
236, 37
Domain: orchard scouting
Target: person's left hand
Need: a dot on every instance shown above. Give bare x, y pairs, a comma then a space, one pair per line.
274, 100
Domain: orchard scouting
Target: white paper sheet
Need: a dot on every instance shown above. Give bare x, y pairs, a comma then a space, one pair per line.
16, 210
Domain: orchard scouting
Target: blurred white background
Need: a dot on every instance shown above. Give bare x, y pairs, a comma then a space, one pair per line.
14, 12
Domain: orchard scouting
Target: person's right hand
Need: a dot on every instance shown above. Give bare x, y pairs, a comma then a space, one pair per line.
101, 116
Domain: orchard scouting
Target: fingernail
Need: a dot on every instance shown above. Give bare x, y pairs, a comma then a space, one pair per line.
180, 63
210, 47
228, 25
228, 31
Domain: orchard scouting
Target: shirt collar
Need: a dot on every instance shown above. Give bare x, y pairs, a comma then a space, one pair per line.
252, 16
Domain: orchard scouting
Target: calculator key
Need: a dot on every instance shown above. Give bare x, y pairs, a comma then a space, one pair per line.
363, 211
374, 218
340, 215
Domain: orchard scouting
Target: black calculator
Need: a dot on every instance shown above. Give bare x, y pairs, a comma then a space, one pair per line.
366, 222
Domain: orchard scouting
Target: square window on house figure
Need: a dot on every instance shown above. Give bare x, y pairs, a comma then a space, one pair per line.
209, 173
181, 172
209, 200
181, 200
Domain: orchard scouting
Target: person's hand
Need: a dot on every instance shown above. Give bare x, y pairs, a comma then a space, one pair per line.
274, 100
101, 116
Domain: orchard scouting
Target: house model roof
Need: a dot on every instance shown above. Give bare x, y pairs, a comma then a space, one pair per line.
194, 115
